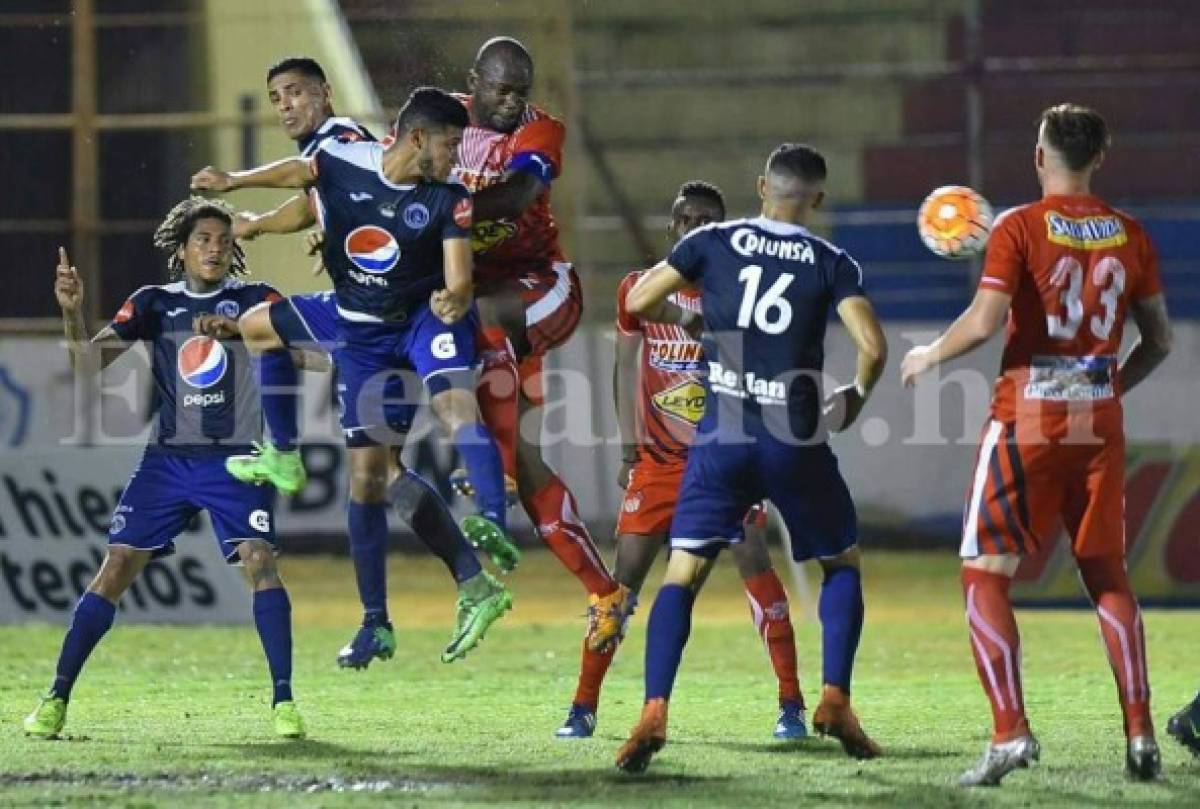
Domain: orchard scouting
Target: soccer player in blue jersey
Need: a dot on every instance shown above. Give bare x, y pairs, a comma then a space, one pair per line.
398, 251
208, 409
767, 286
302, 98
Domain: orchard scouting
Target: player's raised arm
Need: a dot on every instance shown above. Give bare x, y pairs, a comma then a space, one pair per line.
1153, 343
291, 172
857, 314
68, 291
290, 217
648, 298
974, 327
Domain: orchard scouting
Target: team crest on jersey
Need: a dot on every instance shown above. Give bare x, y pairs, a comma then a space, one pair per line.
229, 309
684, 401
372, 249
202, 361
416, 216
1085, 233
489, 233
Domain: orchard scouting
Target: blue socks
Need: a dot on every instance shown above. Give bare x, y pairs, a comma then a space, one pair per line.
485, 468
666, 634
93, 617
273, 619
368, 547
841, 611
278, 379
420, 505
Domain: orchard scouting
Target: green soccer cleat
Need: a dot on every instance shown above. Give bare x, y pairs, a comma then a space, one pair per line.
287, 720
481, 602
283, 470
493, 540
47, 719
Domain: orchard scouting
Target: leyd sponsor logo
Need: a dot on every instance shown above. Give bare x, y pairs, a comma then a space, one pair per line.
749, 242
684, 401
1085, 233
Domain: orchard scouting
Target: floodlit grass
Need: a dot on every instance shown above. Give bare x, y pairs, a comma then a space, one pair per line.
167, 716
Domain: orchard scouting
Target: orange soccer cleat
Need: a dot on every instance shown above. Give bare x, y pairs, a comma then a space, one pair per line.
647, 737
834, 717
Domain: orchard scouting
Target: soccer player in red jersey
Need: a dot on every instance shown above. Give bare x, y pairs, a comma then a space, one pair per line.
660, 398
530, 301
1065, 272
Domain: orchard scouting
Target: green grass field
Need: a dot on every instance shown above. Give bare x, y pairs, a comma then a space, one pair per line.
168, 716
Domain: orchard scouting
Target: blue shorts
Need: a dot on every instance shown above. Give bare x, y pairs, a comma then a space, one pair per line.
421, 350
306, 321
723, 480
166, 491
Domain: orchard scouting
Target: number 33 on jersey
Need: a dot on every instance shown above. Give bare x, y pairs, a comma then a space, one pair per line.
1072, 264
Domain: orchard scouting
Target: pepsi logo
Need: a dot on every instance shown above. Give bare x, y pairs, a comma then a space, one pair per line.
372, 249
202, 362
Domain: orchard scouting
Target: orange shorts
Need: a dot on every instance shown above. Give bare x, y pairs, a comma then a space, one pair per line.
649, 502
1022, 492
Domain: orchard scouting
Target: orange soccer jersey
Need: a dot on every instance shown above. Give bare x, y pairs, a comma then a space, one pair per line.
1054, 449
505, 250
670, 403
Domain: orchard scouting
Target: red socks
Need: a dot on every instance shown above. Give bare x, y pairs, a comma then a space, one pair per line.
554, 511
769, 611
592, 668
996, 645
497, 394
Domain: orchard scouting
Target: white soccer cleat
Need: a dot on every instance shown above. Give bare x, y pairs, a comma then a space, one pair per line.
1001, 759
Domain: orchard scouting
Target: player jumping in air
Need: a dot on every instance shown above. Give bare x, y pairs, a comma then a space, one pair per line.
1064, 273
208, 409
302, 99
766, 285
530, 302
660, 399
397, 249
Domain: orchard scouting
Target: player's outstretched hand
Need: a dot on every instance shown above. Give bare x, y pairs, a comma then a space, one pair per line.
217, 326
915, 363
68, 288
211, 178
841, 409
449, 308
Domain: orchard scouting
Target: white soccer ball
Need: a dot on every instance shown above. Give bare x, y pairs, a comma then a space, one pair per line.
954, 221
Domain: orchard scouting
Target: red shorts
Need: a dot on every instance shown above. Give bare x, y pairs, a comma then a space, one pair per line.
649, 502
553, 306
1022, 492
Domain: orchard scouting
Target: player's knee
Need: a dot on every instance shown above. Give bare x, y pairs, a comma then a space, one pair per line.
455, 407
1003, 564
258, 559
1104, 574
847, 558
121, 566
368, 485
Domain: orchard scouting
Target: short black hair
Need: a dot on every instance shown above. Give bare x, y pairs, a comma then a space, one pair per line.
798, 160
431, 107
704, 190
178, 225
1079, 134
303, 65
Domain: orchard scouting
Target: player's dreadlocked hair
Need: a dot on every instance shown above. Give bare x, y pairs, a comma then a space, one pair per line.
708, 191
175, 229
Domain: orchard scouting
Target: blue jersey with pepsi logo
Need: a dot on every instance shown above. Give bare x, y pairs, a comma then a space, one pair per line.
383, 240
206, 395
768, 288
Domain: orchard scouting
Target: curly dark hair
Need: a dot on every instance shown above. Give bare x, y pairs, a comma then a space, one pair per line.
175, 229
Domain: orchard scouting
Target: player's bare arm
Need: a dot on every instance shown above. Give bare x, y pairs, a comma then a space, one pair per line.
68, 291
509, 198
1153, 343
452, 303
291, 172
858, 316
974, 327
648, 299
290, 217
625, 379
